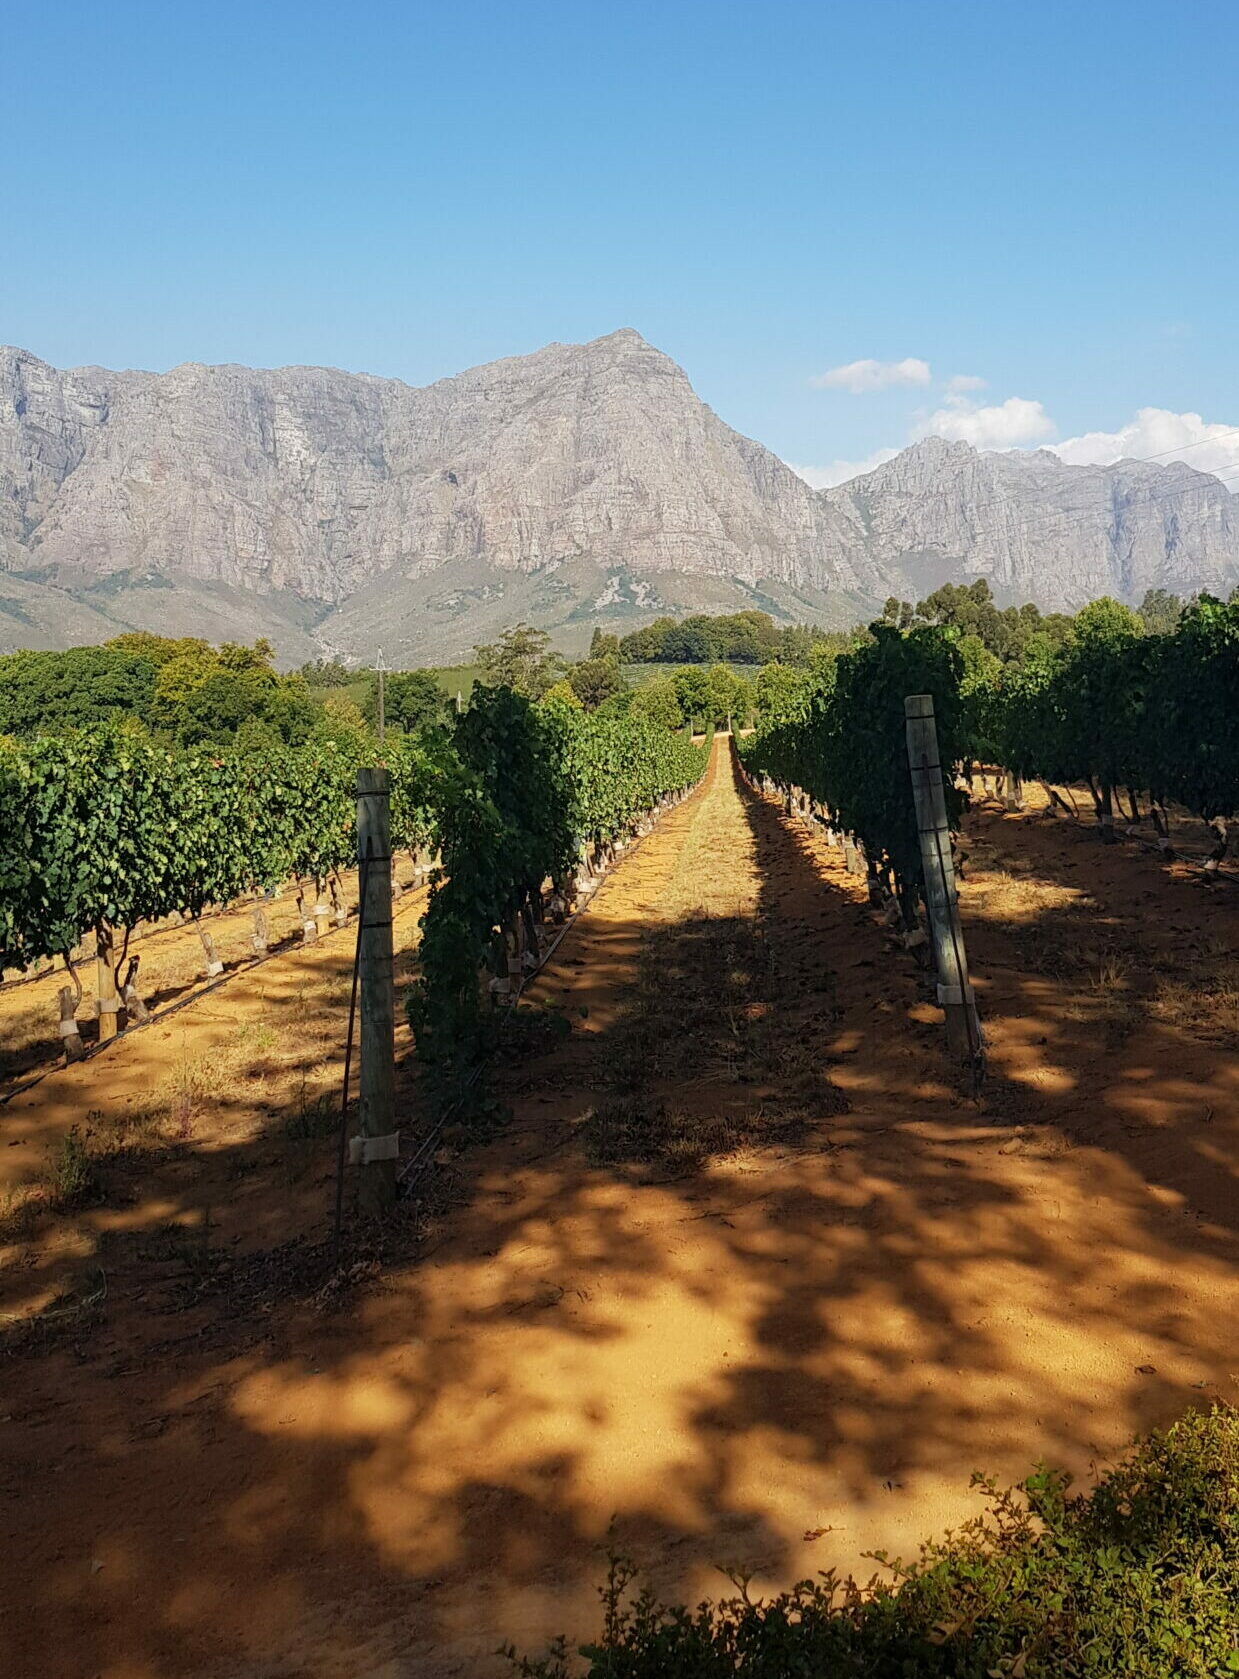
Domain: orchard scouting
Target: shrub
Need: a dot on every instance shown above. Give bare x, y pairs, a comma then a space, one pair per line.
1138, 1578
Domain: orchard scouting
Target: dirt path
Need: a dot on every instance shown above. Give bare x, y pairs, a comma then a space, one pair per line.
777, 1358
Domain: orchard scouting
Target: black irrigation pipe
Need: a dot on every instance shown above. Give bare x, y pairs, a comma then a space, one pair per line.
245, 966
1191, 859
422, 1158
237, 907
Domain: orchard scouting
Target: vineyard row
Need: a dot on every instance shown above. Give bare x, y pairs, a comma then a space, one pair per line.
102, 830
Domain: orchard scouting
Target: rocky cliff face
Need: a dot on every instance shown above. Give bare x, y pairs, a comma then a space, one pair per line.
583, 483
1041, 530
316, 481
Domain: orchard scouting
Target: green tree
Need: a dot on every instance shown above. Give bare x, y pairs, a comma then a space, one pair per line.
978, 688
561, 693
692, 689
743, 703
521, 660
778, 692
646, 646
595, 680
690, 642
327, 673
899, 614
155, 649
603, 646
341, 721
412, 701
658, 702
44, 692
1160, 611
723, 693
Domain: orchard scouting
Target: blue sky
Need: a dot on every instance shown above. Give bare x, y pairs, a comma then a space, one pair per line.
1040, 197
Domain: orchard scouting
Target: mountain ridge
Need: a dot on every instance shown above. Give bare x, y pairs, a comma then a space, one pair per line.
579, 484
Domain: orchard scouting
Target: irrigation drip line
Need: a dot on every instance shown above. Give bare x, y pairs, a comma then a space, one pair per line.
238, 907
1191, 859
245, 966
422, 1157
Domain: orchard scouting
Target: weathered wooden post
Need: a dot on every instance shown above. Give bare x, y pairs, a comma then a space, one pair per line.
963, 1029
381, 670
376, 1148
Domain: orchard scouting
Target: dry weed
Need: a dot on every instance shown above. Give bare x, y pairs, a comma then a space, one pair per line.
636, 1129
1206, 1004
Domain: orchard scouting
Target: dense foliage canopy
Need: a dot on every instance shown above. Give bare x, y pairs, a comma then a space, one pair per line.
1104, 703
106, 826
843, 741
183, 690
521, 791
744, 638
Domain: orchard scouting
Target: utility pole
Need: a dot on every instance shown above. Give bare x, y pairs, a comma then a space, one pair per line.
376, 1148
381, 670
963, 1029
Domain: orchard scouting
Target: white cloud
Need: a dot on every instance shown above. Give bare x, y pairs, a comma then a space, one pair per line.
838, 472
861, 376
1154, 434
1158, 433
1003, 425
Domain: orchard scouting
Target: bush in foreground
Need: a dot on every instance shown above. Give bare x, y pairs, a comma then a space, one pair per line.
1139, 1577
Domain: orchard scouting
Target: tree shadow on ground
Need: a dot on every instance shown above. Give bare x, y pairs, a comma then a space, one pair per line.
826, 1328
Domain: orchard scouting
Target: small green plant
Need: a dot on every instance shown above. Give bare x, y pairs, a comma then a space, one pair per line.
75, 1179
255, 1036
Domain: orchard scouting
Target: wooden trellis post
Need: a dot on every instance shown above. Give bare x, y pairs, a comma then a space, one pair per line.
963, 1029
375, 1149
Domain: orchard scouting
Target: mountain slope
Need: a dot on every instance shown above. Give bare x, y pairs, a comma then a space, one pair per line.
581, 484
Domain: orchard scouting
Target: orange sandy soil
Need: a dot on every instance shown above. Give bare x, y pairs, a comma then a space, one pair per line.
778, 1360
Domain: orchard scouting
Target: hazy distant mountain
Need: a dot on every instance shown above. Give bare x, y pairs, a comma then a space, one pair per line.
583, 484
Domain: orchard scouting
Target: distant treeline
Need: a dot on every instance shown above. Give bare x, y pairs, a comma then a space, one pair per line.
189, 693
737, 638
1007, 631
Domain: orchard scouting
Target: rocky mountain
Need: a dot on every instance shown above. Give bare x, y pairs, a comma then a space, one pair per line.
1038, 529
582, 484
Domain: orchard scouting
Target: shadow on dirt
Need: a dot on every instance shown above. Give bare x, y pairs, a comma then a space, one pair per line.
870, 1288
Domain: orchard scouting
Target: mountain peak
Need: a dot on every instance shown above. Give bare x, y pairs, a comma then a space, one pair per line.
624, 336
